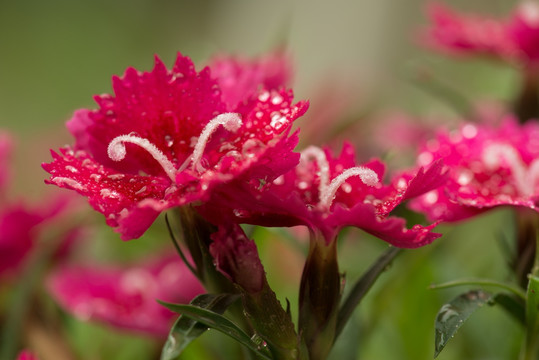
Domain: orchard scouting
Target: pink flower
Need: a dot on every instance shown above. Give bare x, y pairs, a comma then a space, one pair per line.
327, 193
27, 355
239, 77
466, 33
167, 139
126, 297
488, 166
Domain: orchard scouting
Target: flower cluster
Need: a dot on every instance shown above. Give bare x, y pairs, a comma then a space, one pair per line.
219, 144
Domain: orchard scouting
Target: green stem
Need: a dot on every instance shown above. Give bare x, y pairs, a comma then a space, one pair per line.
482, 282
529, 349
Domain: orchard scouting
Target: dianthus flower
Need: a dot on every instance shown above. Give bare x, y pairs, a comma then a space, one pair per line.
125, 297
167, 138
513, 39
488, 166
327, 193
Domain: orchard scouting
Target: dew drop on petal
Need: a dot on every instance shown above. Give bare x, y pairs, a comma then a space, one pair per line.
279, 180
278, 121
251, 147
302, 185
264, 96
431, 197
346, 187
469, 131
277, 99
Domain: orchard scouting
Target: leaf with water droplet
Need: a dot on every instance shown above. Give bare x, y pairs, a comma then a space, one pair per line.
453, 315
214, 320
185, 329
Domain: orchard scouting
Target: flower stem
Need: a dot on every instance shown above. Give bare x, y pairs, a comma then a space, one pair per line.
530, 346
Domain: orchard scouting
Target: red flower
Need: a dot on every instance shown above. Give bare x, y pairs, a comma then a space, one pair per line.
514, 39
126, 297
239, 77
488, 166
327, 193
158, 143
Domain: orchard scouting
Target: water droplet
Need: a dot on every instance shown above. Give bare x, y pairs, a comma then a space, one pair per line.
69, 182
240, 213
251, 147
169, 141
95, 177
71, 168
116, 176
264, 96
347, 188
277, 99
109, 194
141, 190
465, 177
279, 180
278, 121
302, 185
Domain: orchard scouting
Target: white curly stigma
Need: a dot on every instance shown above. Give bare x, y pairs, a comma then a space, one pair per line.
230, 121
525, 177
314, 152
366, 175
116, 151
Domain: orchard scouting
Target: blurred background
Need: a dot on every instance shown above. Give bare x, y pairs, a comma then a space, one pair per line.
357, 56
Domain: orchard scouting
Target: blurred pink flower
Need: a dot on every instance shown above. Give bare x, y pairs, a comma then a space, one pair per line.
327, 193
514, 39
240, 77
126, 297
488, 166
27, 355
158, 144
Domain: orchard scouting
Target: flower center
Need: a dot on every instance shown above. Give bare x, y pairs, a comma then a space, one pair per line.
117, 152
327, 192
525, 177
230, 121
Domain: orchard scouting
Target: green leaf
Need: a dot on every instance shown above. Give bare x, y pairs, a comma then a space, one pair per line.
185, 329
363, 285
453, 314
220, 323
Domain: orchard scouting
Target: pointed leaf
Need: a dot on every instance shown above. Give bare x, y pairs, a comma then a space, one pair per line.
453, 314
363, 285
220, 323
185, 329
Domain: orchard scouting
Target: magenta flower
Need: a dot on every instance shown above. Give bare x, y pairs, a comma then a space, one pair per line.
488, 167
513, 39
26, 355
167, 139
327, 193
239, 77
126, 297
466, 33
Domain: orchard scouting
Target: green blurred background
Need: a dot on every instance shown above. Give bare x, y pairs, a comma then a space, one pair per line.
55, 55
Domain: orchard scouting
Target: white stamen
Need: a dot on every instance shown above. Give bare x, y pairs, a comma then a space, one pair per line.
116, 151
230, 121
314, 152
525, 177
366, 175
